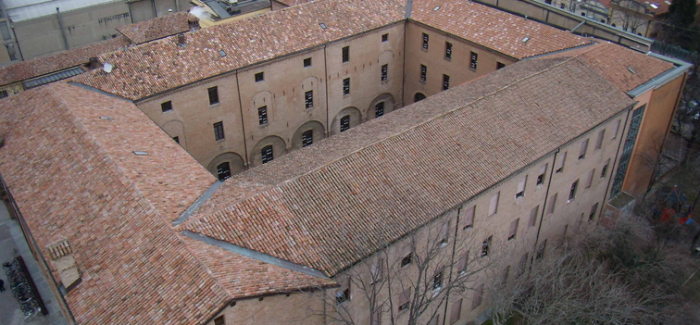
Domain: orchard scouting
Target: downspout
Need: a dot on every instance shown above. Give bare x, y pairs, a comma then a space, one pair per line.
153, 7
328, 109
452, 263
544, 205
63, 31
19, 49
177, 5
240, 107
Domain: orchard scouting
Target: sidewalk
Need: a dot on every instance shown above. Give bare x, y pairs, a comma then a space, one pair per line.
12, 243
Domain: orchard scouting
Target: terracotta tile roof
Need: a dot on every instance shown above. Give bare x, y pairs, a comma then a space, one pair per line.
71, 185
152, 29
616, 64
494, 28
59, 61
347, 201
294, 2
161, 65
244, 277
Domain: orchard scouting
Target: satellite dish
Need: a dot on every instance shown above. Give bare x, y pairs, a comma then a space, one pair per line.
107, 67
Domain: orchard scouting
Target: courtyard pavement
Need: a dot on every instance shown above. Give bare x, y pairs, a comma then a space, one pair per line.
13, 243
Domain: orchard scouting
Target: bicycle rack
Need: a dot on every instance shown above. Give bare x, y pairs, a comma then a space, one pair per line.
33, 292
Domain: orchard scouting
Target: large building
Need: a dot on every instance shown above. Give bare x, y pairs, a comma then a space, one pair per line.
375, 128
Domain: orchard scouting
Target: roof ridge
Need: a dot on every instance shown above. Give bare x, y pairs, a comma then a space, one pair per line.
371, 145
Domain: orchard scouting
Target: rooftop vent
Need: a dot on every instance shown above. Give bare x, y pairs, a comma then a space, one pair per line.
62, 258
141, 153
436, 8
222, 53
107, 67
181, 40
525, 39
631, 69
106, 118
323, 26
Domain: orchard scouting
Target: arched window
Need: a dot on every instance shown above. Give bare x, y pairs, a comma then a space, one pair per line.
223, 171
418, 97
267, 154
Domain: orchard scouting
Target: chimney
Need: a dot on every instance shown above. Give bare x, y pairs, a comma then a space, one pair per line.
94, 63
181, 40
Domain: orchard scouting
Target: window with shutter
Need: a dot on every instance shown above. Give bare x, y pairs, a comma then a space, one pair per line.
533, 216
594, 209
486, 247
469, 217
456, 311
599, 142
404, 299
423, 73
560, 163
543, 172
385, 71
572, 192
262, 115
493, 206
616, 129
448, 50
445, 82
425, 41
267, 154
462, 264
513, 229
407, 256
309, 99
521, 187
553, 204
476, 301
437, 280
444, 234
589, 180
346, 86
472, 62
379, 109
344, 123
584, 148
604, 172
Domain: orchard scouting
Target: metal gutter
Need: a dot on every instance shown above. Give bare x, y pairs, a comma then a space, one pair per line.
660, 80
198, 202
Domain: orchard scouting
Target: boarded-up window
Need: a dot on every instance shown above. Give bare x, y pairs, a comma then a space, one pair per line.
493, 206
601, 136
584, 148
589, 179
456, 311
404, 299
533, 216
543, 173
616, 129
463, 261
574, 189
469, 217
513, 229
560, 163
476, 301
521, 187
553, 203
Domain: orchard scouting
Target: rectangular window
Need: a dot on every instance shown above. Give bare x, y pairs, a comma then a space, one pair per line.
462, 265
601, 136
344, 123
523, 264
456, 311
423, 73
379, 109
437, 280
572, 192
219, 131
259, 77
521, 187
604, 172
445, 82
472, 63
616, 129
594, 209
560, 163
493, 206
220, 320
166, 107
3, 93
444, 233
223, 171
476, 301
553, 204
385, 37
213, 95
307, 62
176, 139
589, 180
543, 173
346, 54
448, 50
385, 71
267, 154
343, 293
404, 299
506, 273
262, 115
533, 216
309, 99
486, 246
499, 65
425, 41
407, 256
346, 86
307, 138
584, 148
513, 229
469, 217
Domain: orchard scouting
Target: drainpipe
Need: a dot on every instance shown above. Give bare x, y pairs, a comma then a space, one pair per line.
544, 206
177, 5
153, 6
63, 31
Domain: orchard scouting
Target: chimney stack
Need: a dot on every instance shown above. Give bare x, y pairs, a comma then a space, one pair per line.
181, 40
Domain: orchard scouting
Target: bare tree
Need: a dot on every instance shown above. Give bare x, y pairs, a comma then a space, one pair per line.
630, 14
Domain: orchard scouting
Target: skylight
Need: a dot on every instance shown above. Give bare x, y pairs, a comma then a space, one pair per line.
141, 153
631, 69
655, 6
323, 26
525, 39
436, 8
222, 53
